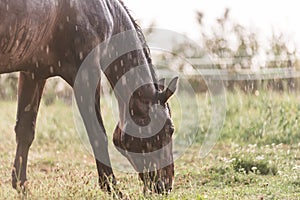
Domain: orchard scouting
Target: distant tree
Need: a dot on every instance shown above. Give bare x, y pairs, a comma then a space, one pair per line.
217, 42
281, 56
231, 45
234, 48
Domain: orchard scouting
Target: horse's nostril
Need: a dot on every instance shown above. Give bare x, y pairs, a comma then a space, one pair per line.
159, 187
163, 188
168, 188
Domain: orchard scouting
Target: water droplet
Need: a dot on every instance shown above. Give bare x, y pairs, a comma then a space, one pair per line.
68, 19
96, 144
124, 81
152, 110
28, 108
135, 61
61, 26
47, 49
51, 70
72, 3
81, 56
129, 56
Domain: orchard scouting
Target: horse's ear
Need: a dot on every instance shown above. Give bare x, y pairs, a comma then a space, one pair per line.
161, 84
170, 89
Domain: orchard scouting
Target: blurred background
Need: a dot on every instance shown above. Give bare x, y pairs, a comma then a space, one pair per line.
255, 44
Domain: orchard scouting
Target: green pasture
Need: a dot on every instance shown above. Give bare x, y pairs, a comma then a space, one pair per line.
257, 155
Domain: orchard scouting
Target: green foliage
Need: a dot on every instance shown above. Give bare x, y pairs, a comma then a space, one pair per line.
263, 119
61, 168
8, 86
54, 89
249, 165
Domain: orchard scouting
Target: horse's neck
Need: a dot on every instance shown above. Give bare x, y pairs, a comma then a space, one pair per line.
130, 69
127, 74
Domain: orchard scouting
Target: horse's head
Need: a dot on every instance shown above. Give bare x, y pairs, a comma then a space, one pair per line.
145, 138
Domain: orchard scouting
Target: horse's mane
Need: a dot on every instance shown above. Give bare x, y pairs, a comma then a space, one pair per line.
142, 38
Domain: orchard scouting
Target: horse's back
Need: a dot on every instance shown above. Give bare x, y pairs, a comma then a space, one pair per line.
50, 30
24, 27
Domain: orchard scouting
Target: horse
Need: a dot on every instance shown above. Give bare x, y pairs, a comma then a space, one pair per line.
47, 38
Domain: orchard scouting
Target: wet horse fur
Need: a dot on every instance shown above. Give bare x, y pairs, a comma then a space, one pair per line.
47, 38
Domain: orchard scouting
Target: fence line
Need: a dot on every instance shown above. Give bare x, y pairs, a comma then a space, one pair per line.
240, 75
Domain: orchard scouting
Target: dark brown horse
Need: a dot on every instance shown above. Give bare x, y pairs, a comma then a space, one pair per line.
47, 38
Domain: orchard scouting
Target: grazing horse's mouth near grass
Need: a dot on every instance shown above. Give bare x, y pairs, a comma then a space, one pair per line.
150, 155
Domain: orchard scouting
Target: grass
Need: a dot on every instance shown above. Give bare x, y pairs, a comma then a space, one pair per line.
256, 157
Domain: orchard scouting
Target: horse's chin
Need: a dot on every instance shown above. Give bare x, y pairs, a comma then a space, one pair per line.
156, 184
158, 187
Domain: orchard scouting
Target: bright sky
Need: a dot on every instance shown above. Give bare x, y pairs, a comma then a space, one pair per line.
180, 15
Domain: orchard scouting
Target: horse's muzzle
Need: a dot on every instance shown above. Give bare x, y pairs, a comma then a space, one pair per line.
163, 188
